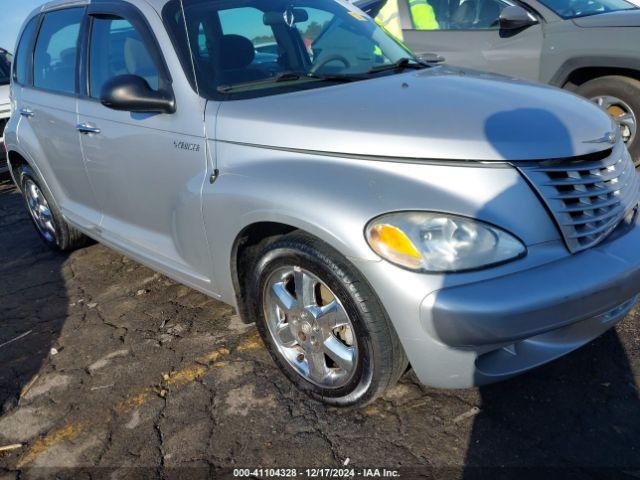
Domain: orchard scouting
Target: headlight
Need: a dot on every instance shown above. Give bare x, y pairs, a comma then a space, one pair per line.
439, 242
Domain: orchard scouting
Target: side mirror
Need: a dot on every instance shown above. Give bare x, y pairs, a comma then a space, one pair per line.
132, 93
430, 57
515, 17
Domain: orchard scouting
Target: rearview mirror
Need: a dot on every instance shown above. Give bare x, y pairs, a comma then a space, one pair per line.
132, 93
289, 17
515, 17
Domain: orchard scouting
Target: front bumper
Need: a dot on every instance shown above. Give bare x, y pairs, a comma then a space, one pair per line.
463, 335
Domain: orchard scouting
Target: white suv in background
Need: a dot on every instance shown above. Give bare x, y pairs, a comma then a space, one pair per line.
5, 106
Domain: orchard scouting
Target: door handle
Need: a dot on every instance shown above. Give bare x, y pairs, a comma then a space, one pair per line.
27, 112
87, 129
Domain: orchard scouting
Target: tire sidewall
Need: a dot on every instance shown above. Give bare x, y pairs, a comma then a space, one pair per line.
627, 90
358, 388
26, 173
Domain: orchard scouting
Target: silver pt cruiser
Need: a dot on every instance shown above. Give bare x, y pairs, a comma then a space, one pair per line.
366, 209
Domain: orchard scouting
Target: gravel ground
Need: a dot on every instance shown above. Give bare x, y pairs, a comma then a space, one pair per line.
109, 368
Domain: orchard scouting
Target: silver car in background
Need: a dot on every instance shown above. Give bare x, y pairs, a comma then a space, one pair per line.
5, 104
368, 211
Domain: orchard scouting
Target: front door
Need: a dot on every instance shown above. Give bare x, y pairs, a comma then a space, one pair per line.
148, 169
467, 34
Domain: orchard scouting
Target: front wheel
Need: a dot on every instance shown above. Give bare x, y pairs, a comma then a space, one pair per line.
322, 323
620, 97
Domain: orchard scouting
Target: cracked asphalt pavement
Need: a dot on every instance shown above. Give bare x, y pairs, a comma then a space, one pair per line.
106, 366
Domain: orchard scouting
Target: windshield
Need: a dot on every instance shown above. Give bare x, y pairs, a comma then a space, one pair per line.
269, 46
5, 68
583, 8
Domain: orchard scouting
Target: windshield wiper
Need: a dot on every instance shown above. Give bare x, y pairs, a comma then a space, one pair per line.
403, 63
335, 77
287, 77
281, 77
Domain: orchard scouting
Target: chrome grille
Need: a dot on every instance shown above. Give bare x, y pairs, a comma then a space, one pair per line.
588, 196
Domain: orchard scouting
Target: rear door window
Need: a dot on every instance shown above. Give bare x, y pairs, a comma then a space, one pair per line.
22, 60
56, 52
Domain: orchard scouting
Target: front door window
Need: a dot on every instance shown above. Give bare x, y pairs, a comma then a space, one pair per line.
118, 49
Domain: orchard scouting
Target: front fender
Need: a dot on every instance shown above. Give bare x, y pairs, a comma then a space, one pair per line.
334, 198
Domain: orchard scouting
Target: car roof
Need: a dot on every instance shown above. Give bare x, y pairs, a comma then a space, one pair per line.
158, 4
55, 4
61, 3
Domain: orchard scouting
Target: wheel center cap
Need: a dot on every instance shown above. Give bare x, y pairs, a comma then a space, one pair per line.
305, 331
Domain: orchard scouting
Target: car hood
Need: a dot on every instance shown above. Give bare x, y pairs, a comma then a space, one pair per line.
436, 113
624, 18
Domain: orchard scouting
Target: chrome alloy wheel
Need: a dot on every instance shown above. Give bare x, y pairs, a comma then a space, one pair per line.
310, 327
621, 112
39, 210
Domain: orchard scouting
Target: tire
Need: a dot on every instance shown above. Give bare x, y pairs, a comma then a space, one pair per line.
58, 234
379, 357
625, 89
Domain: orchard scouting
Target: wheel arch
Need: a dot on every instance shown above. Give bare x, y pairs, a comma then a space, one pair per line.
250, 236
583, 75
15, 160
17, 157
576, 71
263, 228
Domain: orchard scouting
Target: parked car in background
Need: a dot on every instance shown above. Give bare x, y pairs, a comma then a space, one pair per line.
590, 47
5, 105
365, 209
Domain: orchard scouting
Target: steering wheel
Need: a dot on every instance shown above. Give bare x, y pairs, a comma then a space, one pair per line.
328, 59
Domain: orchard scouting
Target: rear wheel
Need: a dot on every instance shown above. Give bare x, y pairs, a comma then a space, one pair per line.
620, 97
321, 321
46, 216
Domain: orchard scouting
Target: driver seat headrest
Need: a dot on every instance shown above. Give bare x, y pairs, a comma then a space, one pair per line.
237, 52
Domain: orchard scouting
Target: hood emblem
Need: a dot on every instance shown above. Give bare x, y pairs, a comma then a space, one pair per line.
609, 137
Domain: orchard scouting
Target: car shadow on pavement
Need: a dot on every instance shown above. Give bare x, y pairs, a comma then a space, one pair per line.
29, 324
577, 417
